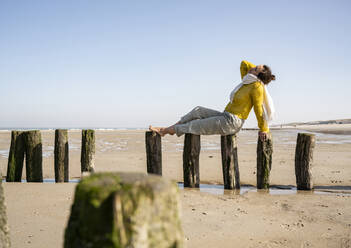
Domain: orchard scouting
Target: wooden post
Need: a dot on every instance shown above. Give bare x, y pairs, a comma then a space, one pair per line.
16, 157
264, 161
191, 154
34, 156
5, 241
230, 165
303, 160
125, 210
61, 156
153, 152
87, 159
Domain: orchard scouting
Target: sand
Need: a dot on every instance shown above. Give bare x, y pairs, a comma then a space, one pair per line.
38, 213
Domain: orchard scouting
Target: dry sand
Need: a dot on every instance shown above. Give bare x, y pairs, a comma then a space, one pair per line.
38, 213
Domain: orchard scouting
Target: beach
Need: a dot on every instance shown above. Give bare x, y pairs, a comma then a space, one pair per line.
213, 217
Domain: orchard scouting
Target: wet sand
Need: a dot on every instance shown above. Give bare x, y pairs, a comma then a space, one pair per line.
38, 213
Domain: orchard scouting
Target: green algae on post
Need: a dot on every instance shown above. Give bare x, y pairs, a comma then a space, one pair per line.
34, 156
4, 229
264, 161
303, 160
61, 155
125, 210
16, 157
191, 154
87, 159
230, 166
153, 153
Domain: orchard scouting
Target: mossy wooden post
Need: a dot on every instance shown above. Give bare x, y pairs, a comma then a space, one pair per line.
264, 161
16, 157
153, 153
4, 229
61, 156
303, 161
34, 156
87, 159
230, 165
125, 210
191, 154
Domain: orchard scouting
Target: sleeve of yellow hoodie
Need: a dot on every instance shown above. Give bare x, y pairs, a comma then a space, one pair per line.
245, 66
257, 100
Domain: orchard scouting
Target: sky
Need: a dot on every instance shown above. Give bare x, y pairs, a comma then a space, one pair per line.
116, 64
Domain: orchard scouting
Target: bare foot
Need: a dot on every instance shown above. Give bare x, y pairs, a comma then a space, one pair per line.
171, 130
159, 130
163, 130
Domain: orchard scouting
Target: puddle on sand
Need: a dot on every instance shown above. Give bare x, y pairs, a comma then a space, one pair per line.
273, 190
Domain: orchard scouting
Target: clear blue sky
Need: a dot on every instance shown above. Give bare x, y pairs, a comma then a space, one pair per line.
134, 63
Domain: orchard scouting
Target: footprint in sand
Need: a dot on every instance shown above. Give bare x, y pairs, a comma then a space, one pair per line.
274, 243
305, 244
293, 226
286, 226
285, 206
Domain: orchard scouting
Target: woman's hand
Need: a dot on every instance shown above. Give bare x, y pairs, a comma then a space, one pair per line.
262, 135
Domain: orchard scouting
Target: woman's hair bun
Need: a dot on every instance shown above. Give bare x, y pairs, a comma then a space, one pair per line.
272, 77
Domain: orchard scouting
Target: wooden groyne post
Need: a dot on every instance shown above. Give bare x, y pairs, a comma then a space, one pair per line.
303, 160
230, 165
191, 154
264, 161
61, 151
125, 210
87, 159
5, 241
153, 153
16, 157
34, 156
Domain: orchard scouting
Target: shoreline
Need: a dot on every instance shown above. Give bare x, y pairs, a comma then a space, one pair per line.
317, 130
334, 128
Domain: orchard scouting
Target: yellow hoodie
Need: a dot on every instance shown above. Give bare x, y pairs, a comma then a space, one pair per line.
248, 96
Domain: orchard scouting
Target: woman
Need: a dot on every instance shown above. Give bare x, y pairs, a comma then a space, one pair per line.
251, 92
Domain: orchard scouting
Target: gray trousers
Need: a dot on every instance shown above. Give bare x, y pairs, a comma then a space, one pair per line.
204, 121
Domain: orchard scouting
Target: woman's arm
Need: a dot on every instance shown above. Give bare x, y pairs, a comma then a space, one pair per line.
257, 100
245, 66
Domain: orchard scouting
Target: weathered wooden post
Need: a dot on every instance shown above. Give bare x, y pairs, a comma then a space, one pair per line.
230, 165
303, 160
61, 156
87, 159
16, 157
125, 210
4, 229
34, 156
264, 161
153, 152
191, 154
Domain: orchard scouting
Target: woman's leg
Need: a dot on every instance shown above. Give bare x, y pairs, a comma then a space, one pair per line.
199, 113
195, 114
222, 125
